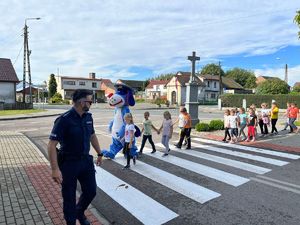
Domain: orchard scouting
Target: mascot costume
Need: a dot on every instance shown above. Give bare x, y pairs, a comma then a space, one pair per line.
121, 100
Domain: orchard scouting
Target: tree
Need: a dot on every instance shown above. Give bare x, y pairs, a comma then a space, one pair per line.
166, 76
211, 69
52, 86
251, 82
296, 89
297, 21
56, 98
273, 87
244, 77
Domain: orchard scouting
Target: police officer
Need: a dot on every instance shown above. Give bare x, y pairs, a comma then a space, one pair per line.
74, 130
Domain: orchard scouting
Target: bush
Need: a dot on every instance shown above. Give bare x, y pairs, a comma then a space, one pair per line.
236, 100
202, 127
66, 101
57, 98
216, 125
140, 100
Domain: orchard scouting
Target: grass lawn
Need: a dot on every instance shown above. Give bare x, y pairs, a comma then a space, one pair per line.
16, 112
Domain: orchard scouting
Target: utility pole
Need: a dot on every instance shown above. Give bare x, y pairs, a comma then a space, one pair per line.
220, 79
26, 62
286, 73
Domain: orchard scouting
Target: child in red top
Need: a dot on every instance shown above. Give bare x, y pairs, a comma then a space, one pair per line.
251, 122
293, 115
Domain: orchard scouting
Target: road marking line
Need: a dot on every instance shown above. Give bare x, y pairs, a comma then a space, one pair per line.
141, 206
241, 154
178, 184
275, 185
252, 149
221, 160
279, 181
207, 171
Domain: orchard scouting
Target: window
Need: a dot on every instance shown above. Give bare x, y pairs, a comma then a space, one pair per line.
213, 95
208, 84
94, 84
69, 82
81, 83
215, 84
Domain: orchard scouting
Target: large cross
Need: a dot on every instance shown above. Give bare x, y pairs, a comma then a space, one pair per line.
193, 59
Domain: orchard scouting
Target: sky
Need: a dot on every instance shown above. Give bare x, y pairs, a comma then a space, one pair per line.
140, 39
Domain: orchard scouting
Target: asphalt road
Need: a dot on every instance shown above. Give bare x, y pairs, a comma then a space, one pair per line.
210, 185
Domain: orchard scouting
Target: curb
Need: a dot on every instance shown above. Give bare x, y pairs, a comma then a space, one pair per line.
29, 117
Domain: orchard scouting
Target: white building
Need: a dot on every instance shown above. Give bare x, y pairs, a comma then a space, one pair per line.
8, 81
156, 89
67, 85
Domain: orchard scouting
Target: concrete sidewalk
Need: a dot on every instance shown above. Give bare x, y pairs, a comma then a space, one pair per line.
27, 193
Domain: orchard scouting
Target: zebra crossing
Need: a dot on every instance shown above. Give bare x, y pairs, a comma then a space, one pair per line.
131, 197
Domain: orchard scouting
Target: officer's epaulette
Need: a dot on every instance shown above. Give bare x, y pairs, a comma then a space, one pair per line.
66, 114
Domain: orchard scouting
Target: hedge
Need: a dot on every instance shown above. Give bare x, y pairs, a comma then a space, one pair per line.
236, 100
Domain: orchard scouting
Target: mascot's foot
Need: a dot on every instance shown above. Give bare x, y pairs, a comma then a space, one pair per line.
108, 154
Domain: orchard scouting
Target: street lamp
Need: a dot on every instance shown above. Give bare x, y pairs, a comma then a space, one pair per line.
26, 61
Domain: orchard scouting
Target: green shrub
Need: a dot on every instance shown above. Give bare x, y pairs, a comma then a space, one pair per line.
57, 98
140, 100
236, 100
216, 125
66, 101
202, 127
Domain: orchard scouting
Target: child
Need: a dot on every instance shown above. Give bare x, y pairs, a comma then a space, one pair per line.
288, 107
232, 119
180, 122
264, 120
147, 125
274, 117
129, 138
251, 122
226, 126
167, 131
242, 121
293, 115
186, 130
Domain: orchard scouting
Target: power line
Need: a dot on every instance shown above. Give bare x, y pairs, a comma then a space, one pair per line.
18, 54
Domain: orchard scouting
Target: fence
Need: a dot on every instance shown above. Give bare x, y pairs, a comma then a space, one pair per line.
17, 105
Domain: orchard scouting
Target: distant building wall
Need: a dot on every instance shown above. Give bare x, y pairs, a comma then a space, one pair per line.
7, 92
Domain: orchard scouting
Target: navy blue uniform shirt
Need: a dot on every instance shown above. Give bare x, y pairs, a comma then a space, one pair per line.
73, 132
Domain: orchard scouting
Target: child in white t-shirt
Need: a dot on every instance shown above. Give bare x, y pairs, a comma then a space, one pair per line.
129, 138
232, 120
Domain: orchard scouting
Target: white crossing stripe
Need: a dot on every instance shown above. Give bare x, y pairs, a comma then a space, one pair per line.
221, 160
178, 184
207, 171
252, 149
241, 154
141, 206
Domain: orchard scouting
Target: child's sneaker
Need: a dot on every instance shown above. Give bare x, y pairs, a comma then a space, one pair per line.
126, 167
253, 139
247, 139
153, 151
134, 160
165, 154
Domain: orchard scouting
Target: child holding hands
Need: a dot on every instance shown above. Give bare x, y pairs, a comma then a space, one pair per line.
167, 131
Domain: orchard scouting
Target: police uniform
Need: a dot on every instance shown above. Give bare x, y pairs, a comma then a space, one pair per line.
73, 132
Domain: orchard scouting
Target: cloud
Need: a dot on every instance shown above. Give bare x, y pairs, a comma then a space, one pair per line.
293, 73
90, 36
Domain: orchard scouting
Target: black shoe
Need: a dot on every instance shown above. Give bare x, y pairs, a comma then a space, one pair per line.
169, 150
134, 160
153, 151
185, 143
126, 167
140, 153
177, 146
187, 148
165, 154
83, 220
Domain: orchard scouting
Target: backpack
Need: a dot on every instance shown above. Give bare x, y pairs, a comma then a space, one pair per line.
137, 132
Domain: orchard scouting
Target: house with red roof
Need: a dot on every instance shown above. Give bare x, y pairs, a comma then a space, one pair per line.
107, 86
8, 81
156, 89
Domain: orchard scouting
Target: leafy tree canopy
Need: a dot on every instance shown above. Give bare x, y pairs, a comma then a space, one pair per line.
212, 69
297, 20
244, 77
273, 87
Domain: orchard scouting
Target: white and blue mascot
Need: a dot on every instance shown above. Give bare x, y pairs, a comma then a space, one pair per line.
121, 100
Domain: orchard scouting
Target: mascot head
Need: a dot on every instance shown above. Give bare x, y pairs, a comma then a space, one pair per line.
123, 96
